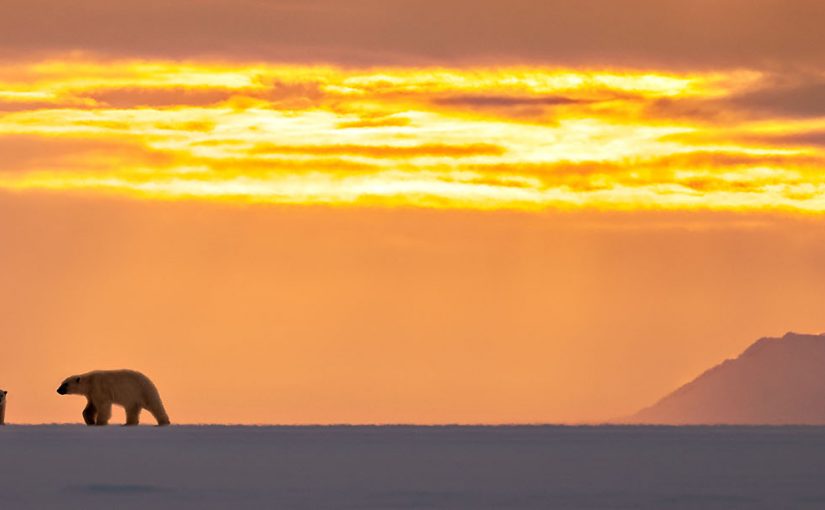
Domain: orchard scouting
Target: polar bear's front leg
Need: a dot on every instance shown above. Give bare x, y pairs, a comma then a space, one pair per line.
89, 413
104, 412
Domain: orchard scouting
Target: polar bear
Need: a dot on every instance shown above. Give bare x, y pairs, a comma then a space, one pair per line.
102, 388
3, 394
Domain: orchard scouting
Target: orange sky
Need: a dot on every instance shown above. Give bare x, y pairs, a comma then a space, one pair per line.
326, 225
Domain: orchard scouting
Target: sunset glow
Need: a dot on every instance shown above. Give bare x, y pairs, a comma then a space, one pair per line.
384, 212
469, 137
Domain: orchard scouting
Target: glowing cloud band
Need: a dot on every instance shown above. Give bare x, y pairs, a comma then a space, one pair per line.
479, 138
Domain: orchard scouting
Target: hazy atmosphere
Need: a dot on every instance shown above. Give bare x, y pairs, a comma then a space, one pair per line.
254, 314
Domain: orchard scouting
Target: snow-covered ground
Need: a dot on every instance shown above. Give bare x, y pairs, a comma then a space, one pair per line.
318, 468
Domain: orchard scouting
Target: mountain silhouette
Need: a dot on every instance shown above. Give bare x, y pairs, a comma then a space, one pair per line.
775, 381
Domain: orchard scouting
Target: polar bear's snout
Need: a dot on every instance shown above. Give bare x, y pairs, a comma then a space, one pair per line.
63, 389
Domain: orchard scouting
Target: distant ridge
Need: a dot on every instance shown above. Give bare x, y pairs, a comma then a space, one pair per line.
775, 381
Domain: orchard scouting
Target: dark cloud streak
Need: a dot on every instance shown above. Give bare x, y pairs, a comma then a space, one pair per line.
807, 139
483, 101
801, 97
801, 100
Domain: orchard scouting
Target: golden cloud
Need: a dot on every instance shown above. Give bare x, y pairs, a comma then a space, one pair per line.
479, 138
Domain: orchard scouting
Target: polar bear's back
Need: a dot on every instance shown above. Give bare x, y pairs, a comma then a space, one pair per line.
124, 387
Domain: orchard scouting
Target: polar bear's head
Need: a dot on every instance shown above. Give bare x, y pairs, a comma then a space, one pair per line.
74, 385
